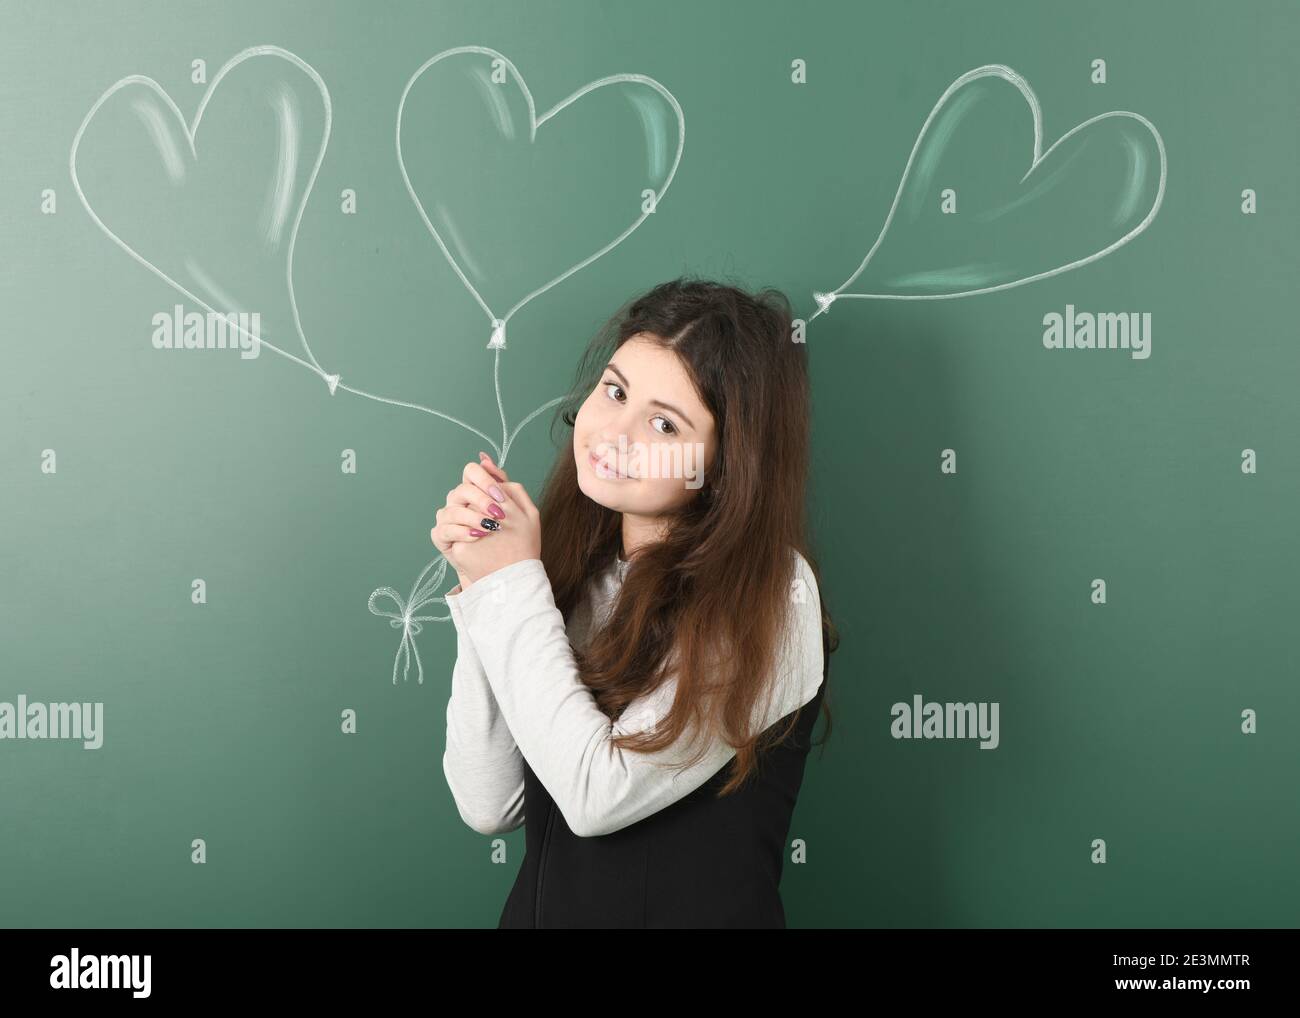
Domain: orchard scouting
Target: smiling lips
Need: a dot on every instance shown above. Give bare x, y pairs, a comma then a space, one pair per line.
603, 470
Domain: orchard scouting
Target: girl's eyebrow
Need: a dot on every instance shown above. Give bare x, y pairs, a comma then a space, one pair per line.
654, 402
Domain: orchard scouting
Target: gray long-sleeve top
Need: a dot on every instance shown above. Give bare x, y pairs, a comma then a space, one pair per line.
515, 690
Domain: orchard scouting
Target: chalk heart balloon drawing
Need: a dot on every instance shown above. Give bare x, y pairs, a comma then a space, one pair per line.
518, 202
213, 207
981, 207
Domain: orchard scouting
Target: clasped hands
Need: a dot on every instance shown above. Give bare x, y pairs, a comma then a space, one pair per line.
474, 551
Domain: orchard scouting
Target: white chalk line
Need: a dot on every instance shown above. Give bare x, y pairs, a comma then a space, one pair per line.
825, 300
499, 322
422, 591
191, 132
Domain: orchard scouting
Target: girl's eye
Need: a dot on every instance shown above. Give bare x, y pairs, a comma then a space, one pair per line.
672, 429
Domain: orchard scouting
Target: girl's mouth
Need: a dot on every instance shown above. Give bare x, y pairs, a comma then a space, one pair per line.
602, 471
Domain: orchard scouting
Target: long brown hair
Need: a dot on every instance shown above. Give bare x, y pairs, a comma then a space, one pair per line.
678, 605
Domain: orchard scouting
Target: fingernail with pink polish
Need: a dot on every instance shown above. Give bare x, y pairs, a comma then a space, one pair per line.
496, 511
497, 493
477, 533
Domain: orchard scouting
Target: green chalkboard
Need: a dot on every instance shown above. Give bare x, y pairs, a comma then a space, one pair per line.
273, 273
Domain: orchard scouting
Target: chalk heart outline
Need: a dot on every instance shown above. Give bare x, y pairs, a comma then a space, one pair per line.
191, 131
534, 122
824, 300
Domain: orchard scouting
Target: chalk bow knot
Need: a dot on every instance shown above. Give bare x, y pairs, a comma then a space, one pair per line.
407, 621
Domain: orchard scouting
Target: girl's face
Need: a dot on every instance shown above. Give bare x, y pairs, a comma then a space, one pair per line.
643, 441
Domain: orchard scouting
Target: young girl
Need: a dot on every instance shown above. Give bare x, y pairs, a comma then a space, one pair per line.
641, 662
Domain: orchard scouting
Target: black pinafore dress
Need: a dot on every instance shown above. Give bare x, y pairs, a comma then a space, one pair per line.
702, 862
